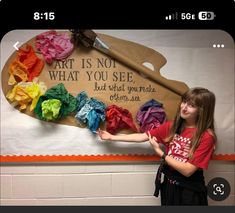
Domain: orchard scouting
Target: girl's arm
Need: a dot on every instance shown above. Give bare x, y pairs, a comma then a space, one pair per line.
186, 169
135, 137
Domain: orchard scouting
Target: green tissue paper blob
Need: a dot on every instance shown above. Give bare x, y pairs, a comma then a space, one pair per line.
51, 109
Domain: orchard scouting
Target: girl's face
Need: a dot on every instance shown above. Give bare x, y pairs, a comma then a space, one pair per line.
188, 111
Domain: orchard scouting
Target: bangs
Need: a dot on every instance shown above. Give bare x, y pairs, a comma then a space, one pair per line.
192, 97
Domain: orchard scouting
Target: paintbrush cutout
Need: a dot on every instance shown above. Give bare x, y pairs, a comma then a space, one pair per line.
89, 38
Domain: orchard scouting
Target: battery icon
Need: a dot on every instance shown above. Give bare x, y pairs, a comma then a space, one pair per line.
206, 15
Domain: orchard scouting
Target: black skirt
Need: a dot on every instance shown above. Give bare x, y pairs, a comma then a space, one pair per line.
177, 189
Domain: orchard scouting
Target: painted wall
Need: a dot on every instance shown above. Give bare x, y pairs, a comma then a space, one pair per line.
105, 184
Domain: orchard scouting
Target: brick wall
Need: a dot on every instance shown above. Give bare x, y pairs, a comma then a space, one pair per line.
92, 184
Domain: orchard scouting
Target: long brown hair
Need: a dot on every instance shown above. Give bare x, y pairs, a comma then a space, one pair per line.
205, 101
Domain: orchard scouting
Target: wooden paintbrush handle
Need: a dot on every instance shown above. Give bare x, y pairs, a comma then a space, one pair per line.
147, 72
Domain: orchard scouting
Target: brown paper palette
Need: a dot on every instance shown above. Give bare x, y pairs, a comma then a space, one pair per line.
106, 79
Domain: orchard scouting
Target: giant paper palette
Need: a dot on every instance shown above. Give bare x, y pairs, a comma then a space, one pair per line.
106, 79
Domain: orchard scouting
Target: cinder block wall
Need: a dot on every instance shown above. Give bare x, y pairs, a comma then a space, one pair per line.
92, 184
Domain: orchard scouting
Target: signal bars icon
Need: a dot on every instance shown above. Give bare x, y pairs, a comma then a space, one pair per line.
173, 16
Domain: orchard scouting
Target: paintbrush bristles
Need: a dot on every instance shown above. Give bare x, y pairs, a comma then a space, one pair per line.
84, 37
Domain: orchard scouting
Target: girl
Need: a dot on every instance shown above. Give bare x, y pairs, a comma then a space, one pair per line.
189, 141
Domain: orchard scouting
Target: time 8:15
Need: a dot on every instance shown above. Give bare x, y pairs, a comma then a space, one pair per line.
44, 16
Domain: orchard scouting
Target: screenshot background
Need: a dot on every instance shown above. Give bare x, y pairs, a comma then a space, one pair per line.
104, 184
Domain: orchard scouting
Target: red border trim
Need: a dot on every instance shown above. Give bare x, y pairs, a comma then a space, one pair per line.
94, 158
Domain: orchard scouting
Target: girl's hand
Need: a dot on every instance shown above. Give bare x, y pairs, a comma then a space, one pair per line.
153, 141
104, 135
155, 145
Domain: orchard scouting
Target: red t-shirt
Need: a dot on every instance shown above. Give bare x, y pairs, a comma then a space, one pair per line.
180, 146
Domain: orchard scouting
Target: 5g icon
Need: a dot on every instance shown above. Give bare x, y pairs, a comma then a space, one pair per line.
206, 15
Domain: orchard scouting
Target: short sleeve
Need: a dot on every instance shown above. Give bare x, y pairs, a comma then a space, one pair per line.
161, 132
203, 153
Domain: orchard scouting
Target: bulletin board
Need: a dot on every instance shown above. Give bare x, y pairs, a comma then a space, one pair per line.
26, 138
